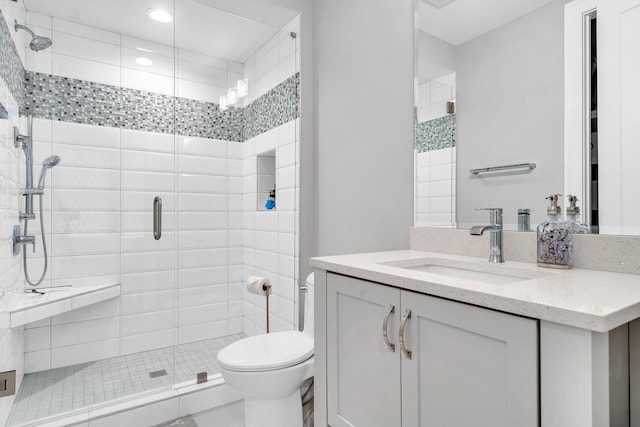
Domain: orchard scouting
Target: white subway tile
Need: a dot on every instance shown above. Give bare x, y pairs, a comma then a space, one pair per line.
160, 64
147, 302
148, 82
203, 239
143, 323
84, 244
87, 352
202, 202
37, 339
202, 146
143, 221
202, 221
147, 161
141, 201
194, 72
196, 277
144, 242
86, 31
85, 48
87, 156
148, 261
203, 295
207, 60
199, 314
202, 331
83, 69
147, 141
84, 178
67, 267
202, 258
84, 200
81, 134
105, 309
202, 165
84, 332
200, 91
147, 341
147, 181
85, 222
147, 282
37, 361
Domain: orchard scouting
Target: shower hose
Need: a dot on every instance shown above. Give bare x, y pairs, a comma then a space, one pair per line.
44, 246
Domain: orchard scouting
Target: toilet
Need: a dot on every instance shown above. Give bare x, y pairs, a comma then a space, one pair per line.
268, 370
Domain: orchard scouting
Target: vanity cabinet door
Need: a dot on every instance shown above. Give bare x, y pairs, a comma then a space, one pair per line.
363, 374
469, 366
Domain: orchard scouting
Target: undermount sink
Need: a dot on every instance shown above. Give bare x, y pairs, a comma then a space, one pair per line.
461, 273
497, 274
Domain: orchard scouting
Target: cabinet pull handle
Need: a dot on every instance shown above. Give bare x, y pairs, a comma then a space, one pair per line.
157, 218
403, 322
385, 327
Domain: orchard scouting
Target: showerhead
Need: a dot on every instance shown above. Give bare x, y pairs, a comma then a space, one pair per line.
48, 163
37, 43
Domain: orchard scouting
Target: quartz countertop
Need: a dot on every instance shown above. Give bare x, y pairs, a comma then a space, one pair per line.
20, 308
589, 299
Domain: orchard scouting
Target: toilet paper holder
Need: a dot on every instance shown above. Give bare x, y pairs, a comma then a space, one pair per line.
267, 288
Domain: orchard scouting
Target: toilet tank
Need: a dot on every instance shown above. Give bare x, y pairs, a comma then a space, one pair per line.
308, 306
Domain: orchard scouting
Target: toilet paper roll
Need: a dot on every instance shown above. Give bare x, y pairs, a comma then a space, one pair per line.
258, 285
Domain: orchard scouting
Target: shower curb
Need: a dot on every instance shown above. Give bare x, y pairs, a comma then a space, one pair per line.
149, 408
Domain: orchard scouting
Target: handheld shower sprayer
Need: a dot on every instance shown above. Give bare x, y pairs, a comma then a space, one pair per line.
22, 238
48, 163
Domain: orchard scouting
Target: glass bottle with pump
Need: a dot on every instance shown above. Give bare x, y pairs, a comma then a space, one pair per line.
573, 217
554, 238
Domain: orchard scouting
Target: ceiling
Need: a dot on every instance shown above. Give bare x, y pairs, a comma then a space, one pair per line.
464, 20
229, 29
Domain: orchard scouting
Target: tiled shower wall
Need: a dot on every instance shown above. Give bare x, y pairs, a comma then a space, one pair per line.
98, 213
11, 178
435, 154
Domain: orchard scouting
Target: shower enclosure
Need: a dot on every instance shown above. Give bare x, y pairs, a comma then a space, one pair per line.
132, 106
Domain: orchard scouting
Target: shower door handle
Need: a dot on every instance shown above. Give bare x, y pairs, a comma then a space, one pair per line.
157, 218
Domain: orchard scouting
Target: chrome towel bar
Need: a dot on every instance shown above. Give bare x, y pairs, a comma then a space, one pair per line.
502, 168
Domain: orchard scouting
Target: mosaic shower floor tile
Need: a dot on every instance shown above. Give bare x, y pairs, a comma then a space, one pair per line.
59, 390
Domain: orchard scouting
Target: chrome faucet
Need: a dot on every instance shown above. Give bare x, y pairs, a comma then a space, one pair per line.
495, 227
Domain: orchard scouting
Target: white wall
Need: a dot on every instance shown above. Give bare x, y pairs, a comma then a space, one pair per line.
363, 73
510, 109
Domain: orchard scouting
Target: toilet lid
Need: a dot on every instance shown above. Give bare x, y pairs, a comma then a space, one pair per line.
266, 352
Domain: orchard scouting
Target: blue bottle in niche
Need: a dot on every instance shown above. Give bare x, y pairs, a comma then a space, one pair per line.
554, 238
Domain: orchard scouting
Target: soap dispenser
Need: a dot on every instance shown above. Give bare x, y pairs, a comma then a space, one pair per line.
554, 238
573, 221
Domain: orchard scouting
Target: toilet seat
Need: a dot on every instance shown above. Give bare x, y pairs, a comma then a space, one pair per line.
266, 352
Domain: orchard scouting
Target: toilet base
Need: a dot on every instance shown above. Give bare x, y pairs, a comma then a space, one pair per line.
282, 412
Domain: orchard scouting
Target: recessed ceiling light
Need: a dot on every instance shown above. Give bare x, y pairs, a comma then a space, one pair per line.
160, 15
439, 3
144, 61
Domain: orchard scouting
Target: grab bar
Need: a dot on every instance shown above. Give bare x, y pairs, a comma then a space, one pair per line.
502, 168
157, 218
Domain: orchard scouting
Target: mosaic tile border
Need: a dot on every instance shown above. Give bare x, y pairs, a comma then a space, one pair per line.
11, 69
79, 101
435, 134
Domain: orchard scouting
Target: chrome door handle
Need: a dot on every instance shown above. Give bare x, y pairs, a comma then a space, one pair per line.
403, 322
385, 327
157, 218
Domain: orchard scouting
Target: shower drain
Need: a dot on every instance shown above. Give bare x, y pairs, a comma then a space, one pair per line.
156, 374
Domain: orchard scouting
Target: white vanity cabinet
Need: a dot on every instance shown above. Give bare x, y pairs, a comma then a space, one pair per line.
468, 366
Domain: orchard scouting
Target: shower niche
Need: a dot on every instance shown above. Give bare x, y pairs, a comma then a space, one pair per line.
266, 181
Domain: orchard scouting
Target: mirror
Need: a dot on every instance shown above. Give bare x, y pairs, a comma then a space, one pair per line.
489, 86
